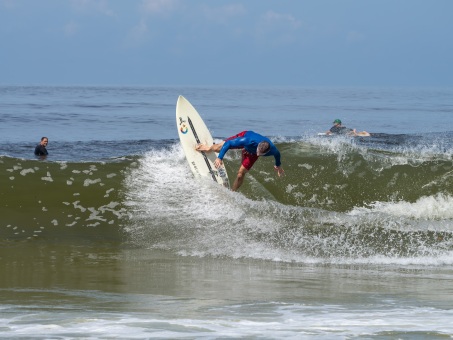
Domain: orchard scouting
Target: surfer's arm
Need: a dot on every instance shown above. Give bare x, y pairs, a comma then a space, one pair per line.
235, 143
274, 152
278, 163
223, 151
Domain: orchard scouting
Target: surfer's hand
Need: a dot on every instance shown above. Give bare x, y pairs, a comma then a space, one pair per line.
279, 170
218, 163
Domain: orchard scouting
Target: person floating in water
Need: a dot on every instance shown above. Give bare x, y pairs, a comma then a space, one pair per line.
41, 148
253, 146
337, 128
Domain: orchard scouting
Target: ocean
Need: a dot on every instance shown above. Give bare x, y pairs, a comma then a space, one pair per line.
110, 236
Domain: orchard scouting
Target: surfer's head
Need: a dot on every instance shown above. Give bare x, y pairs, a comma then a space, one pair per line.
263, 148
337, 121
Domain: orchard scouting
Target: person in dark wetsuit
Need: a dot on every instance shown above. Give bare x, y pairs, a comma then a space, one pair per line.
41, 149
253, 145
337, 128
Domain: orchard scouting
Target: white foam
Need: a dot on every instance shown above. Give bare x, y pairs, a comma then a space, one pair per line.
89, 181
241, 320
169, 209
437, 207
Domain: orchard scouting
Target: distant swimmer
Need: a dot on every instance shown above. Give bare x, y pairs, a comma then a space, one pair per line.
253, 146
337, 128
41, 148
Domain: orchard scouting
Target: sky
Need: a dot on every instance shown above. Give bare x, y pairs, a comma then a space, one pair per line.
386, 43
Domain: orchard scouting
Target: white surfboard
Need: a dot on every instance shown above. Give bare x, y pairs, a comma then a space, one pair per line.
192, 131
359, 134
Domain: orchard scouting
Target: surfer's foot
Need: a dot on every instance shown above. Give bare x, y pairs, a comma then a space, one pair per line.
202, 147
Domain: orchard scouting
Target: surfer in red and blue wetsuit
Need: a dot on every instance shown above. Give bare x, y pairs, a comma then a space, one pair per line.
253, 145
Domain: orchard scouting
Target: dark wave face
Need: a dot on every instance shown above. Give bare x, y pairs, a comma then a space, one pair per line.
340, 175
61, 201
385, 198
341, 200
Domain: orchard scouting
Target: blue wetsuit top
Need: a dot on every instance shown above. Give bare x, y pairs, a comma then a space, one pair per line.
250, 142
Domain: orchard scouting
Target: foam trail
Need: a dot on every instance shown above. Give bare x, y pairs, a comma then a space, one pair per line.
437, 207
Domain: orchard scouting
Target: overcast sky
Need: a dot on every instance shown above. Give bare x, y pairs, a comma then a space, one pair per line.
217, 42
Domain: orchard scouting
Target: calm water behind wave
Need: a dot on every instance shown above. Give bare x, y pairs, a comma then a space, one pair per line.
105, 122
68, 114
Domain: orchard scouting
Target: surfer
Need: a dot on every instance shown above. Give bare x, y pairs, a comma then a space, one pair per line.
253, 145
337, 128
41, 148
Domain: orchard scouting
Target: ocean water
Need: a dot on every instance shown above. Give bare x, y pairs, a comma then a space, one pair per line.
110, 236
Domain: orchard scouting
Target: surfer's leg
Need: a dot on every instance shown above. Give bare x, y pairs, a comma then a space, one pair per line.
209, 148
248, 159
218, 146
239, 178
